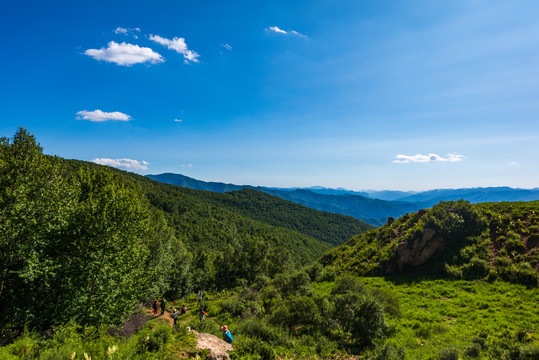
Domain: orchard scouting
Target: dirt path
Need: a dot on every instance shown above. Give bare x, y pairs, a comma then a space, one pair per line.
166, 316
218, 348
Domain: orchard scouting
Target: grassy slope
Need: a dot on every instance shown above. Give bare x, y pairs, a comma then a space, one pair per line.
487, 240
436, 314
439, 314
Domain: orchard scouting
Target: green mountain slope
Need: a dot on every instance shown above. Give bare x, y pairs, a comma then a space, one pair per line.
240, 235
488, 240
328, 227
372, 211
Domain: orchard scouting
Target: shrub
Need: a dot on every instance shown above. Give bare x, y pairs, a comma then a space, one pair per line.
520, 274
389, 352
449, 354
328, 275
530, 352
473, 350
347, 283
453, 271
475, 269
362, 316
315, 271
388, 300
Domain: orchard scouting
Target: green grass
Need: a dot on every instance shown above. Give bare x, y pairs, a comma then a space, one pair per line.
437, 314
430, 318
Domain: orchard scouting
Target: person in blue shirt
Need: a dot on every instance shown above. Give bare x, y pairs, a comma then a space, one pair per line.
227, 336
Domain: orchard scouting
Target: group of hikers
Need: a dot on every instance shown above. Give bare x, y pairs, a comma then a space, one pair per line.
227, 336
156, 305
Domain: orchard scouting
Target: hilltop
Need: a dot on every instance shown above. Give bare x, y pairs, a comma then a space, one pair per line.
463, 240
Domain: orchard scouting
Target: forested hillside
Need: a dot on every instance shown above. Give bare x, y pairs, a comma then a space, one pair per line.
372, 211
83, 234
479, 241
331, 228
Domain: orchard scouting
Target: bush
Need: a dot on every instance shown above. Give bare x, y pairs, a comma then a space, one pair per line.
521, 274
347, 283
475, 269
473, 350
266, 352
328, 275
362, 316
389, 352
315, 271
453, 271
449, 354
530, 352
389, 301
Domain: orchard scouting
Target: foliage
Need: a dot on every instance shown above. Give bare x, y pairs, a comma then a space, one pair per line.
75, 246
328, 227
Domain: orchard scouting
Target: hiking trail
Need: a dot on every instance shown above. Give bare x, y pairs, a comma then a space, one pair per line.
218, 348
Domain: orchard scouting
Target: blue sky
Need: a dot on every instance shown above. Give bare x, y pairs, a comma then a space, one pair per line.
403, 95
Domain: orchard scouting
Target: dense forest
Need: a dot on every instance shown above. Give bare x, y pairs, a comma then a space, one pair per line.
85, 235
83, 246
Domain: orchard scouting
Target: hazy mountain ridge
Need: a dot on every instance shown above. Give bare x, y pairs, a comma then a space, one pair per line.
372, 211
373, 207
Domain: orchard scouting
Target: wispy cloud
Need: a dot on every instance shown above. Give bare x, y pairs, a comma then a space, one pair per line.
177, 44
178, 120
100, 116
127, 31
404, 159
187, 165
226, 46
277, 30
126, 164
285, 32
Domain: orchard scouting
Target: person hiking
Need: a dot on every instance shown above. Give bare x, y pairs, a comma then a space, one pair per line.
199, 298
175, 316
227, 336
163, 305
184, 310
202, 315
155, 307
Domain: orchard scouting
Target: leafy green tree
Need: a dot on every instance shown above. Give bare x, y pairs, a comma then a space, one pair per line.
33, 205
361, 315
75, 246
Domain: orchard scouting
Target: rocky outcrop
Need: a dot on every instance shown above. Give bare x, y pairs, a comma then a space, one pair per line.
418, 251
218, 348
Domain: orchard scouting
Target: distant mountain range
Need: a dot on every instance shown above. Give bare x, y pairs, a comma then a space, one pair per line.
373, 207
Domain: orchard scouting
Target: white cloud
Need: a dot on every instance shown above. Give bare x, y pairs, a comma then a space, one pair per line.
100, 116
126, 164
298, 34
126, 31
404, 159
277, 30
177, 44
187, 165
226, 46
125, 54
178, 120
281, 31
